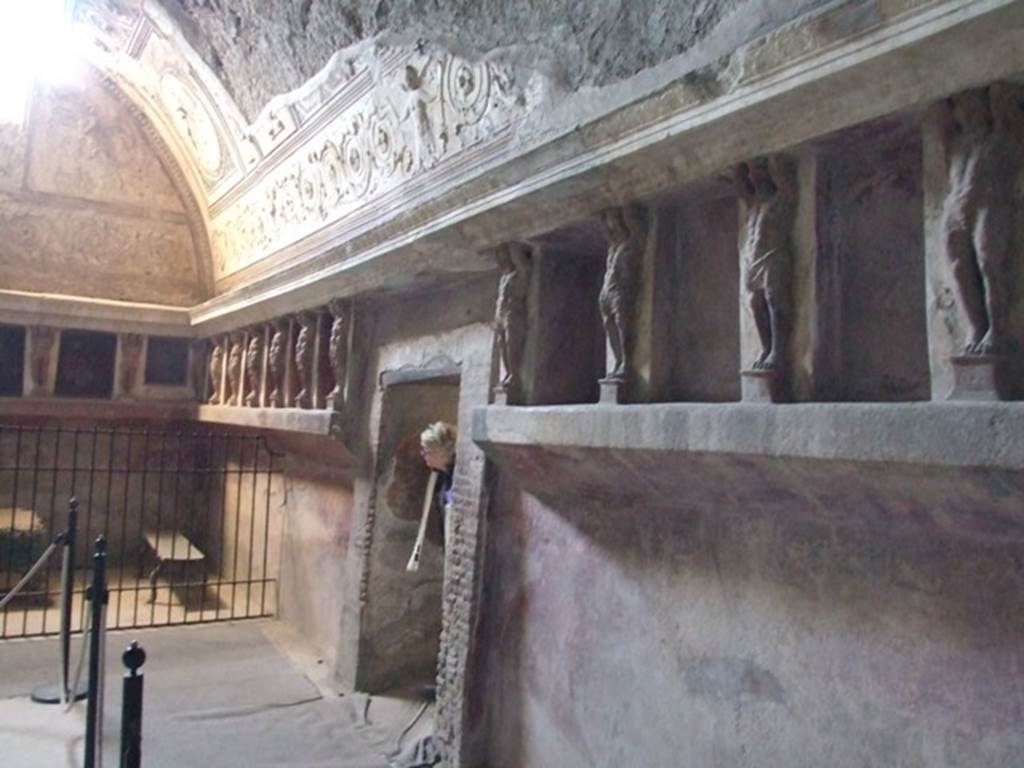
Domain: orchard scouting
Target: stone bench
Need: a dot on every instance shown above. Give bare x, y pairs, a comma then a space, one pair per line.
171, 547
23, 538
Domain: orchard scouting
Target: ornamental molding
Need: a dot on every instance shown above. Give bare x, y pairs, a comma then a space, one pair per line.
426, 115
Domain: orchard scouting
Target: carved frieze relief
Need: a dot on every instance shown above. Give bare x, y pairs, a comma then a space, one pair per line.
422, 113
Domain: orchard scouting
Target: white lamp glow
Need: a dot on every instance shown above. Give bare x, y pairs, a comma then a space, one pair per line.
35, 44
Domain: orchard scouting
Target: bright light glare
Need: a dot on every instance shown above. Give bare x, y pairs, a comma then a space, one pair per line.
35, 44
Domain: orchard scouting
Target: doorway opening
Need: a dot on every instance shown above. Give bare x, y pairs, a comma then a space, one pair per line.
402, 628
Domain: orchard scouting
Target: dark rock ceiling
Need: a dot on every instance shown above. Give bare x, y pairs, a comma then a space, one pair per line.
261, 48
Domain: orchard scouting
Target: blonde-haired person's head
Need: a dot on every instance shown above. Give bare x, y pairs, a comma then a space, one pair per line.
437, 445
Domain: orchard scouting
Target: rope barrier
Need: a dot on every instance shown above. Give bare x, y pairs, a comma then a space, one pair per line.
32, 571
86, 629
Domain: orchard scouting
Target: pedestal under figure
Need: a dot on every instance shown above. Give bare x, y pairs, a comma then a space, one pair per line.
510, 318
768, 189
625, 230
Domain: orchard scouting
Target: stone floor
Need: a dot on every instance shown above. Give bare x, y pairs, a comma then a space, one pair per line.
232, 694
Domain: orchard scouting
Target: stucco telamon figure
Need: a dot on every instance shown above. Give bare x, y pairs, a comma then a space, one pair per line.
626, 232
338, 349
768, 188
216, 372
233, 392
304, 358
983, 132
510, 311
253, 365
277, 361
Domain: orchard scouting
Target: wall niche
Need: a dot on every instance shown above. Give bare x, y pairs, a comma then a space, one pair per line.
565, 349
698, 258
85, 364
871, 266
12, 360
166, 361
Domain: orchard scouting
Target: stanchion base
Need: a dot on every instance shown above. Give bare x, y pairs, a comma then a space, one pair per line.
50, 694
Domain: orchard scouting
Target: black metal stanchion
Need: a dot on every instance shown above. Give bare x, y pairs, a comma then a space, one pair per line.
56, 694
131, 707
97, 595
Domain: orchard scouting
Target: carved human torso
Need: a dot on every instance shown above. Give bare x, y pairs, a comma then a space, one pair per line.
216, 371
980, 175
234, 369
338, 344
769, 222
618, 273
253, 360
512, 288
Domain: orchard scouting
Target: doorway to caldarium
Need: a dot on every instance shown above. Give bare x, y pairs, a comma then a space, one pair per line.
402, 622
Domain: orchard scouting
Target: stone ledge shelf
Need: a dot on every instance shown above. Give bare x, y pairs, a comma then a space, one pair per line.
921, 468
310, 422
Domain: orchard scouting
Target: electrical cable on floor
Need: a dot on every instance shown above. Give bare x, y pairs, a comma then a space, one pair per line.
405, 731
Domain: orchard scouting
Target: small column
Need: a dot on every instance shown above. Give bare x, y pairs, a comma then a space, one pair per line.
41, 371
129, 363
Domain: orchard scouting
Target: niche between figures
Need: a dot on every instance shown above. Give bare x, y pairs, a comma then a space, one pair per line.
870, 232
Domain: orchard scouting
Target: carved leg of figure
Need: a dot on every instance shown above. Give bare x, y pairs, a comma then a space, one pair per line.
503, 355
968, 285
763, 323
613, 332
778, 309
992, 237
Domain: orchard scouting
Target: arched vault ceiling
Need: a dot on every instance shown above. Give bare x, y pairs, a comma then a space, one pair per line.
287, 118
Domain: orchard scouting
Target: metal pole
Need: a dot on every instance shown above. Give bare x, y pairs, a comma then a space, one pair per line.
97, 595
67, 596
62, 693
131, 707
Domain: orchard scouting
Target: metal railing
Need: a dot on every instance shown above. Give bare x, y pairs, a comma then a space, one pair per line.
188, 518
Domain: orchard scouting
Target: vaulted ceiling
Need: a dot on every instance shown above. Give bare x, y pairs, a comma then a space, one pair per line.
293, 122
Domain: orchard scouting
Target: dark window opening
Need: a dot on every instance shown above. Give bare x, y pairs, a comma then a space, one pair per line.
85, 366
166, 361
12, 360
